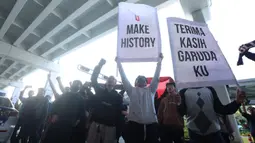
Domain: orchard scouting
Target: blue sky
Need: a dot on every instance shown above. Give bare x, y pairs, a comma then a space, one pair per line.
231, 24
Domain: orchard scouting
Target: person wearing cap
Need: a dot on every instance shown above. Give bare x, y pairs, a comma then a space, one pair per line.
170, 120
142, 119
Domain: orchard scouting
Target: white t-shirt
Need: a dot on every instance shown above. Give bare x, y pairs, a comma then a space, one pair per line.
141, 107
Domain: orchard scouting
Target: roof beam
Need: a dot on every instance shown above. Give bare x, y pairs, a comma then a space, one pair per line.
11, 83
74, 25
7, 69
18, 23
50, 7
20, 70
110, 2
68, 20
39, 3
25, 57
158, 4
57, 13
12, 16
84, 29
2, 60
87, 33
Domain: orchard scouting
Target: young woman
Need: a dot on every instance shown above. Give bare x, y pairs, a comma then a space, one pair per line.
170, 120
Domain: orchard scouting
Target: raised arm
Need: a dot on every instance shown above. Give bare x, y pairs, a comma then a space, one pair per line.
53, 87
21, 98
155, 80
126, 84
95, 75
60, 84
230, 108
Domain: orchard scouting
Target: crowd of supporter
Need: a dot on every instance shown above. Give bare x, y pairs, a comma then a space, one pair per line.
79, 115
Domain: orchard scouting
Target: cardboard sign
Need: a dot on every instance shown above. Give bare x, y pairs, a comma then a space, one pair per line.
196, 55
138, 33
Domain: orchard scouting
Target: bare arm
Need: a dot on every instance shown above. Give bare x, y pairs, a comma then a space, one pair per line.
61, 86
22, 93
155, 80
95, 75
126, 84
53, 88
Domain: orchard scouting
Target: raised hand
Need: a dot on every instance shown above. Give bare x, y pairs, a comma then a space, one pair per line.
240, 96
58, 78
102, 62
161, 57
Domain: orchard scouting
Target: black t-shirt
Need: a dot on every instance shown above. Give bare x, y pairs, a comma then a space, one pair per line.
105, 106
69, 108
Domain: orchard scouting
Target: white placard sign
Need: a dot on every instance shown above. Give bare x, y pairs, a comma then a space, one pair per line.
196, 55
138, 33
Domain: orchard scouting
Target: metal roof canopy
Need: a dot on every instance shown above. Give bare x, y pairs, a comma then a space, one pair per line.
248, 85
34, 33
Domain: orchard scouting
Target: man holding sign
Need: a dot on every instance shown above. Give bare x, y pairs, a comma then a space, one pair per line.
142, 125
199, 64
138, 33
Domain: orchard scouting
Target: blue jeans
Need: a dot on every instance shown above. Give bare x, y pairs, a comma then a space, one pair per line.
210, 138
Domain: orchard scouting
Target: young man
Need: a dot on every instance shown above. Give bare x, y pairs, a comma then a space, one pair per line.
170, 120
67, 113
16, 137
106, 108
33, 117
142, 125
200, 106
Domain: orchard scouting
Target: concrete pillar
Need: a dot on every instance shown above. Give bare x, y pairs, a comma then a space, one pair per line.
201, 13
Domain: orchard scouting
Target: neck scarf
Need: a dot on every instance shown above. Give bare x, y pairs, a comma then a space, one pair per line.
244, 52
